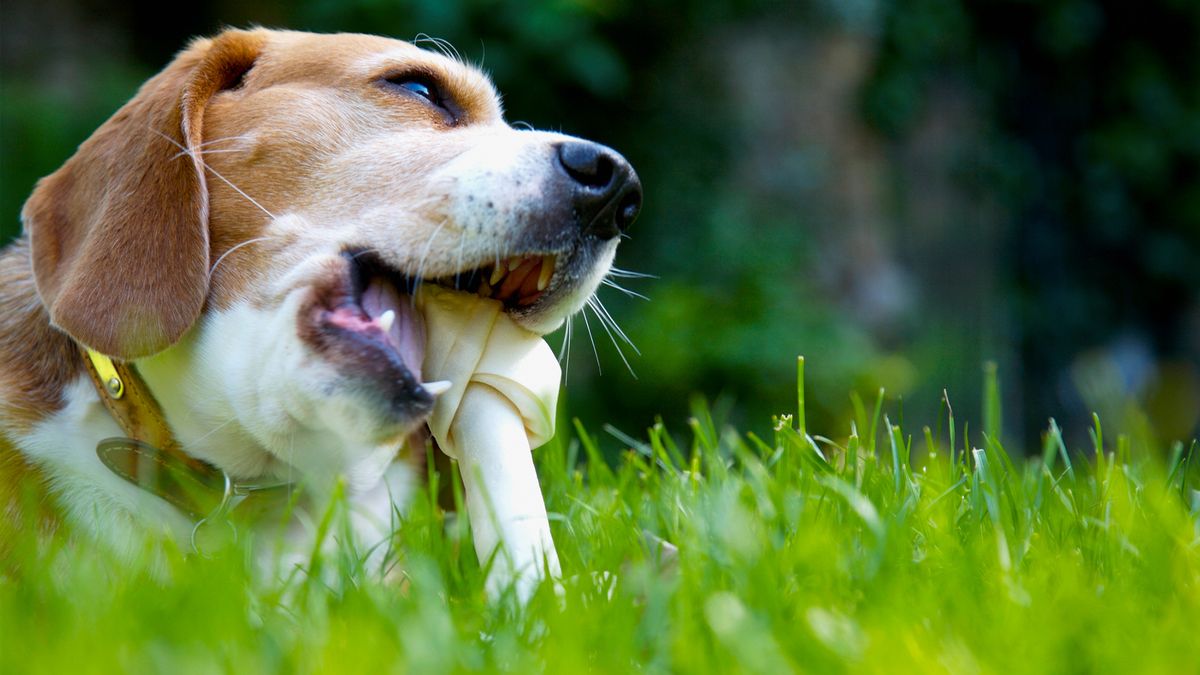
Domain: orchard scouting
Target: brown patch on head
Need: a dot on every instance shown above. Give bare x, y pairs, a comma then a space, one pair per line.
309, 100
353, 64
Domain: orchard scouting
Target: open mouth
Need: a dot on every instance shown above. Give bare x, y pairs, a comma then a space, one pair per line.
370, 317
518, 281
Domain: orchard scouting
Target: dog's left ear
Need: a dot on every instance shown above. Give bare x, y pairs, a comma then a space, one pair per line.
120, 233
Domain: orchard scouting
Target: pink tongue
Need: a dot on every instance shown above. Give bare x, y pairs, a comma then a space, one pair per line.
407, 333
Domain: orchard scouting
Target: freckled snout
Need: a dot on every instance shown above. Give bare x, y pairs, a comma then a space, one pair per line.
605, 191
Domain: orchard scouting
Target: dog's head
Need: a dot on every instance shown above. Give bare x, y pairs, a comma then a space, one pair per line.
282, 192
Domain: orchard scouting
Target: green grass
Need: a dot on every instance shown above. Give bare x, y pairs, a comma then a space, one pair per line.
887, 551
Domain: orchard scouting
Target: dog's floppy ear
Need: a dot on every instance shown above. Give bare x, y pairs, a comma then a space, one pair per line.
120, 232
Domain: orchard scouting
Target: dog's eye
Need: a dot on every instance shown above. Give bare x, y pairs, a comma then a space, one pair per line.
420, 89
418, 86
426, 87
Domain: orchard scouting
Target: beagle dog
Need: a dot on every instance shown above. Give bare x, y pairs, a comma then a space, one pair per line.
229, 241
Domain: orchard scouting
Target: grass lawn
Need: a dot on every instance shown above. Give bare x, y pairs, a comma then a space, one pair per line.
893, 550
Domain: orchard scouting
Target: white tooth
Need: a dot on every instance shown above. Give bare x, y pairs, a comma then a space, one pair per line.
547, 272
437, 388
498, 274
386, 320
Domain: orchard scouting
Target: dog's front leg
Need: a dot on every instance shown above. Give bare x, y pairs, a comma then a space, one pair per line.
504, 500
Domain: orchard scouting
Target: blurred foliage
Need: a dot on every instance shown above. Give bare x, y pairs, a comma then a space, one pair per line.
1092, 143
1078, 169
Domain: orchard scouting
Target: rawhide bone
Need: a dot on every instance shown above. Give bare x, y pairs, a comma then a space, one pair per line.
500, 405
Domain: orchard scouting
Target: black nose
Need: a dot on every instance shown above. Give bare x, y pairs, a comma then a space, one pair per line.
607, 193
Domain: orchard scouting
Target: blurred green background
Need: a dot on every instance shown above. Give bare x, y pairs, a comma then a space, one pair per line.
899, 190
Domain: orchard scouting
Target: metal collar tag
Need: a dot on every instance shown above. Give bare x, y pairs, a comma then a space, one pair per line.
208, 498
197, 494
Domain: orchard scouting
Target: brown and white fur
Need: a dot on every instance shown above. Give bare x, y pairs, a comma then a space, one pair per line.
208, 231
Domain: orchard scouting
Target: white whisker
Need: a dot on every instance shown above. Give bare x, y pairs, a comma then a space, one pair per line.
592, 339
564, 350
204, 164
214, 430
441, 45
567, 360
366, 251
420, 276
602, 312
243, 137
203, 147
604, 325
231, 250
220, 151
633, 294
462, 241
212, 151
628, 274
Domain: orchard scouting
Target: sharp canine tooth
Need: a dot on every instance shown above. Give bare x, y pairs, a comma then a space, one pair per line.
547, 272
485, 289
386, 320
438, 388
498, 274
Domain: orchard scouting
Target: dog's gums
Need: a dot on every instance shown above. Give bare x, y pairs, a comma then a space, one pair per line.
517, 281
375, 315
